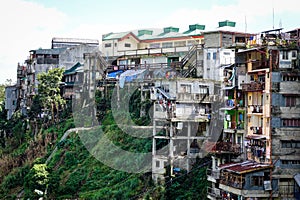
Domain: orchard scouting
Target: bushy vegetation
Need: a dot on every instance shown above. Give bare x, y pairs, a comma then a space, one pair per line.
72, 172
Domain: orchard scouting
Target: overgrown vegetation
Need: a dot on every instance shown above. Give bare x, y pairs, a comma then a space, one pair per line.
72, 172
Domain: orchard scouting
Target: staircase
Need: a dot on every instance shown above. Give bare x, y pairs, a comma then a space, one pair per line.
189, 62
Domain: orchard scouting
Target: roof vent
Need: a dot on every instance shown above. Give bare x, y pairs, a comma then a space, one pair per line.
196, 27
171, 29
226, 23
144, 32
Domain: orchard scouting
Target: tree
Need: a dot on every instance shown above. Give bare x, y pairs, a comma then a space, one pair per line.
37, 180
2, 93
49, 91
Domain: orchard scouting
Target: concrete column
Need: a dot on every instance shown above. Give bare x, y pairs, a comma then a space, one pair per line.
188, 146
171, 149
213, 162
154, 142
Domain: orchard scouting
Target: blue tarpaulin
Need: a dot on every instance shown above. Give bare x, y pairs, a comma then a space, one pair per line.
130, 75
114, 74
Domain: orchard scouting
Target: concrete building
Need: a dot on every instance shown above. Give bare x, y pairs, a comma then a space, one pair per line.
266, 78
11, 97
58, 42
183, 107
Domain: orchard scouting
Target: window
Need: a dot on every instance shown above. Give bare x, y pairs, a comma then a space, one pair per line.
185, 88
290, 101
155, 45
257, 180
127, 45
208, 56
294, 54
285, 55
291, 122
192, 42
166, 87
180, 44
167, 44
290, 162
214, 55
157, 164
290, 78
107, 45
203, 89
290, 144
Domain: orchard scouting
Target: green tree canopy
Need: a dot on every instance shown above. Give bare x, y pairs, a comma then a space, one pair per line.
49, 91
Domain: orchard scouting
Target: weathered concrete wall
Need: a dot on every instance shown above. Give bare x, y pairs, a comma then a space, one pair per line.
71, 56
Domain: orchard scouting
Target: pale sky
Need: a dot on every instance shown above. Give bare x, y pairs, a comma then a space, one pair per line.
31, 24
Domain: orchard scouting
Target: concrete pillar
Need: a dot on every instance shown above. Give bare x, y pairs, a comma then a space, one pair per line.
213, 162
188, 146
171, 149
154, 142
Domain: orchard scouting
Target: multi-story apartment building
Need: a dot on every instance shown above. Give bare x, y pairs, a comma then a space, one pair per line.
264, 94
64, 53
182, 121
155, 46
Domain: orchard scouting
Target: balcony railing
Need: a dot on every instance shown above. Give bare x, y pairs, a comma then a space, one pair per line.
234, 125
256, 130
258, 64
253, 86
226, 147
190, 97
256, 109
232, 180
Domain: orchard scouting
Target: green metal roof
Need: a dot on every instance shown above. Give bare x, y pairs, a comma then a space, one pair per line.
144, 32
169, 29
194, 27
226, 23
112, 36
73, 69
155, 33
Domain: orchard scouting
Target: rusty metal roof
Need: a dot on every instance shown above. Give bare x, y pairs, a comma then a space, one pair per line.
244, 167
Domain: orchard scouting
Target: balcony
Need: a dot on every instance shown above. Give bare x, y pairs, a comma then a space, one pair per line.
257, 64
190, 97
234, 125
256, 130
226, 147
253, 86
255, 109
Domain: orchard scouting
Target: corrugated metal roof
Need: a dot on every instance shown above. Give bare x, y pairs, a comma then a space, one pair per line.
112, 36
73, 69
168, 32
49, 51
244, 167
74, 40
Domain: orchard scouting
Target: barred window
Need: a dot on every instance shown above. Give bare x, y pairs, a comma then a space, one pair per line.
291, 122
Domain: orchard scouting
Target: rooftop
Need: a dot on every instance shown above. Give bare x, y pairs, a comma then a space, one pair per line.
244, 167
